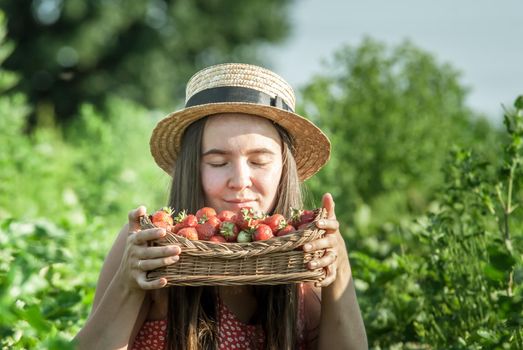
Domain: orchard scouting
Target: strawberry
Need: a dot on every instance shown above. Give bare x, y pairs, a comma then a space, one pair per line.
205, 231
247, 218
300, 217
262, 233
186, 220
205, 213
190, 221
177, 227
229, 231
214, 222
276, 222
162, 217
286, 230
307, 216
226, 215
244, 237
189, 233
217, 239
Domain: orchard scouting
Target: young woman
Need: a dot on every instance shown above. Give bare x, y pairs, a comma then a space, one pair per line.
238, 143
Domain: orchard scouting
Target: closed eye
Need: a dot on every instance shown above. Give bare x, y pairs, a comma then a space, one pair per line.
260, 163
217, 165
261, 160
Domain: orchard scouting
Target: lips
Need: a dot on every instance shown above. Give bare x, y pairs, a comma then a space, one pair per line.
239, 200
240, 203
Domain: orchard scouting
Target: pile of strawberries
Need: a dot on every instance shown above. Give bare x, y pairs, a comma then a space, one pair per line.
242, 226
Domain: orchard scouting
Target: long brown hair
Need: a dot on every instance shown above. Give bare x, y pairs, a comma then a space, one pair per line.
192, 314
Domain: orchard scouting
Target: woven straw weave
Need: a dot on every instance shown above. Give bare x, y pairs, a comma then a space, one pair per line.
311, 146
243, 75
279, 260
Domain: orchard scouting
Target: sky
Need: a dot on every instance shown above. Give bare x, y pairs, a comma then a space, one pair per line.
483, 39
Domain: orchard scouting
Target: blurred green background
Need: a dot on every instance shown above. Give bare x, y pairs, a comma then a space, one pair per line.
426, 189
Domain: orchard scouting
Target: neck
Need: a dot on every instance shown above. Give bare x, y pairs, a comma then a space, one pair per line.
240, 300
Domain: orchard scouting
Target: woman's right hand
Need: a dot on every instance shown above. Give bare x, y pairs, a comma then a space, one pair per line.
139, 257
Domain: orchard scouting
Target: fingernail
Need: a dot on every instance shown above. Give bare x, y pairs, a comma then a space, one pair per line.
321, 223
307, 247
314, 264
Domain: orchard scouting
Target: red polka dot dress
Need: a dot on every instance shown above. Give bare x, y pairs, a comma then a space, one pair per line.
152, 336
232, 333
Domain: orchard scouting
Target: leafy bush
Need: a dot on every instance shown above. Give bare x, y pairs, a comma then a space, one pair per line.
81, 185
45, 289
459, 284
64, 194
421, 185
473, 274
392, 115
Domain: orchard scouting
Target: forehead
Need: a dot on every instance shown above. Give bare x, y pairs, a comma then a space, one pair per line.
231, 130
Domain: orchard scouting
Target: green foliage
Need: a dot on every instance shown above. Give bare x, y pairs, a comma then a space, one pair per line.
428, 199
42, 296
83, 180
54, 175
472, 278
139, 50
392, 115
7, 79
84, 187
458, 283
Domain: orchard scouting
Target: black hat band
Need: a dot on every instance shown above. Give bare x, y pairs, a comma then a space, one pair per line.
223, 94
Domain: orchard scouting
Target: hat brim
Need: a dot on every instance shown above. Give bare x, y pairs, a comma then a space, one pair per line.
311, 145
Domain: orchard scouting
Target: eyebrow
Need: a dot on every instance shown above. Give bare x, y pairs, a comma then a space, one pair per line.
251, 151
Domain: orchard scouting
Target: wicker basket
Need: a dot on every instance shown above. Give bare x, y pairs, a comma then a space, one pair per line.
279, 260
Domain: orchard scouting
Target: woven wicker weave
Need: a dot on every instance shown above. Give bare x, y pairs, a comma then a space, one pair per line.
279, 260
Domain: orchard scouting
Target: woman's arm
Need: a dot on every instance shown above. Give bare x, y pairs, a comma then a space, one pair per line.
341, 324
121, 290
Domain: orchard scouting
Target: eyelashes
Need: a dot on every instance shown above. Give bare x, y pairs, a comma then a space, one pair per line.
256, 164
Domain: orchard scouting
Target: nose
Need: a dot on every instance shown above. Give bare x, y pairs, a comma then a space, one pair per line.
240, 176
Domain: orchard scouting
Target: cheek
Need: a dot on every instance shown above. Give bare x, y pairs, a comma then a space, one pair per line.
269, 182
212, 182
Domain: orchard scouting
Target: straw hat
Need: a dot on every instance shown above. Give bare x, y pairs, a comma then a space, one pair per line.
241, 88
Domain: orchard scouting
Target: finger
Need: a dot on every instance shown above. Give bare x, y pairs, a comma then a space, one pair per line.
155, 284
328, 259
328, 224
134, 218
158, 252
329, 278
142, 237
151, 264
328, 203
327, 242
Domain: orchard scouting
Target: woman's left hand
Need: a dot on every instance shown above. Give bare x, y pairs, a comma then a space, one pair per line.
336, 257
